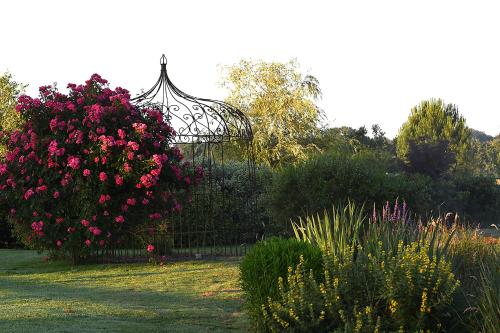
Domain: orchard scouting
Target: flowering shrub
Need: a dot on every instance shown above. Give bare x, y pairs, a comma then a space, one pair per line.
88, 167
408, 291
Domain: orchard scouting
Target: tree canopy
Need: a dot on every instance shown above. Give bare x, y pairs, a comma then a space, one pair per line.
9, 92
280, 103
434, 130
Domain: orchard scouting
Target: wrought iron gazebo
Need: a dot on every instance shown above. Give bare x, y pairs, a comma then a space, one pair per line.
205, 128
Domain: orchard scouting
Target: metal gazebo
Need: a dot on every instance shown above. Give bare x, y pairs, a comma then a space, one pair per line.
220, 219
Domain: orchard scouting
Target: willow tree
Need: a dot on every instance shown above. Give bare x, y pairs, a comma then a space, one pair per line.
280, 103
434, 137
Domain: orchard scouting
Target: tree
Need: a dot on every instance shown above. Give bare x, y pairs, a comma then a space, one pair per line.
349, 140
280, 103
10, 90
434, 130
88, 168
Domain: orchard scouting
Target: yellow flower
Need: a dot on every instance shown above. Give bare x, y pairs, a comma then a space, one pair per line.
393, 306
423, 305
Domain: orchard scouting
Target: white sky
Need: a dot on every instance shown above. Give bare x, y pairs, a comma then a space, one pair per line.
374, 59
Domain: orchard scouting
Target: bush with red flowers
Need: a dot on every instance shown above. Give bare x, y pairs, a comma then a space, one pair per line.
88, 167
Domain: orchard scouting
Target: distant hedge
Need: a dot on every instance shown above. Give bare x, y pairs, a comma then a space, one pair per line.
316, 184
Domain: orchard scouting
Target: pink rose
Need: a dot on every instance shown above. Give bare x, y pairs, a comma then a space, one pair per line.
119, 219
127, 168
58, 243
102, 176
86, 172
118, 180
87, 242
95, 231
85, 223
28, 194
56, 194
73, 162
150, 248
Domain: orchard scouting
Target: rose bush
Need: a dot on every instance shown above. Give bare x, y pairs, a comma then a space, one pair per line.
88, 167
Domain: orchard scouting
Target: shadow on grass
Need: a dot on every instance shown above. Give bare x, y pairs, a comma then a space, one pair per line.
45, 305
93, 304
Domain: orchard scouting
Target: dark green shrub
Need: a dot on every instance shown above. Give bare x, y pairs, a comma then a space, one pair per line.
6, 238
227, 207
309, 187
481, 198
333, 178
267, 261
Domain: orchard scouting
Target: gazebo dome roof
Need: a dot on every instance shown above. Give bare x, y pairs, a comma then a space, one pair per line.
194, 119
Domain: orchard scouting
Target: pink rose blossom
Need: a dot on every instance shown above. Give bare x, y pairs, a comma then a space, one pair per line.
88, 242
127, 168
28, 194
118, 180
73, 162
95, 231
133, 145
119, 219
150, 248
86, 172
103, 177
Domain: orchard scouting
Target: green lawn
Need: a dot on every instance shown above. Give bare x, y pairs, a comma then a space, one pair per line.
194, 296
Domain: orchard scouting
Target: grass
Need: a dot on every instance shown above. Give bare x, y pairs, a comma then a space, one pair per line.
195, 296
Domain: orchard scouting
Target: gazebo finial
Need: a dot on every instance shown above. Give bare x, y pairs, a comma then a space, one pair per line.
163, 59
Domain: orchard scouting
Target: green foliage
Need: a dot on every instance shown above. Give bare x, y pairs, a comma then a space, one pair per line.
308, 187
280, 104
433, 127
482, 158
234, 197
476, 264
9, 120
267, 261
365, 177
333, 233
489, 298
429, 158
10, 90
408, 290
350, 140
